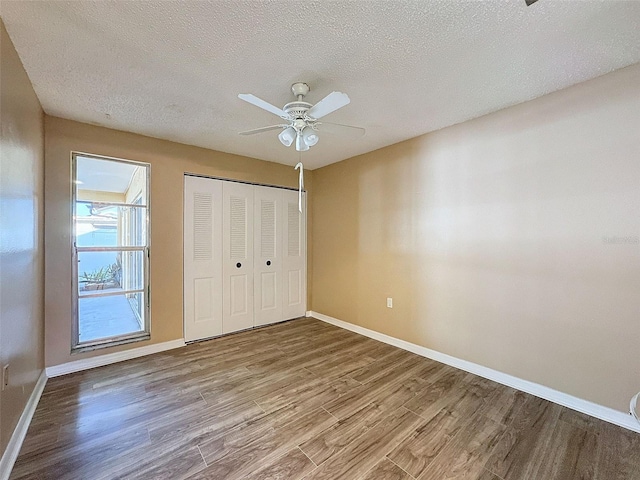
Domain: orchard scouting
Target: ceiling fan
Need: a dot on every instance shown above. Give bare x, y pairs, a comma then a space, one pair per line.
302, 118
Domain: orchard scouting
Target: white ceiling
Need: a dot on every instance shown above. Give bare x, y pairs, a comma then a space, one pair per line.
173, 70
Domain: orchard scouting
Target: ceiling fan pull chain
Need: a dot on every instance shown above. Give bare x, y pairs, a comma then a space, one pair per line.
300, 184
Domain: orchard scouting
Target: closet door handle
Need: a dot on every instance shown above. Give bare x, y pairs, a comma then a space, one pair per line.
268, 262
238, 265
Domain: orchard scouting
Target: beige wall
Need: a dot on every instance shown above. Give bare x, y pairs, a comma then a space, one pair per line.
492, 237
169, 161
21, 251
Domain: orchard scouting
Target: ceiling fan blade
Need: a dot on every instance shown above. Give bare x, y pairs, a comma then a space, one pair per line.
340, 129
252, 99
328, 104
263, 129
530, 2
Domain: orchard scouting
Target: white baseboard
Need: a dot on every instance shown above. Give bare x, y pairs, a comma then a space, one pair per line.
607, 414
109, 358
20, 432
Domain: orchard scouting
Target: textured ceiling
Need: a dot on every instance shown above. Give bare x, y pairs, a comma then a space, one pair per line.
173, 70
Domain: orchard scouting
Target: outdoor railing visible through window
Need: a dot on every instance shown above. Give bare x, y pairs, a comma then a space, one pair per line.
110, 251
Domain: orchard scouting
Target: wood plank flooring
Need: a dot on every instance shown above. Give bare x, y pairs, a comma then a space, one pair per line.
306, 400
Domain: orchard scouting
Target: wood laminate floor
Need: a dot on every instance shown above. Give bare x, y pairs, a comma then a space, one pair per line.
306, 400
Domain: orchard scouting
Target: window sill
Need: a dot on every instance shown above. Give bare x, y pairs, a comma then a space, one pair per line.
110, 342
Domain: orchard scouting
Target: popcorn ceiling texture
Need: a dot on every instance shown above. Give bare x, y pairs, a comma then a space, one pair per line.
173, 70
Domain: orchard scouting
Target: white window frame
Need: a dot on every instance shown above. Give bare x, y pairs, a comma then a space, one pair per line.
144, 334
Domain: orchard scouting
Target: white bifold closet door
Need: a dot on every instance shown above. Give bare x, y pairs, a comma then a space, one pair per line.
267, 254
294, 295
244, 257
202, 258
237, 256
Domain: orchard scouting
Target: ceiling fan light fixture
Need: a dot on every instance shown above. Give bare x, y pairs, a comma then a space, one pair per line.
301, 146
310, 137
287, 136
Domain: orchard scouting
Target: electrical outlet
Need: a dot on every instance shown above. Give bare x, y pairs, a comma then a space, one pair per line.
5, 376
389, 302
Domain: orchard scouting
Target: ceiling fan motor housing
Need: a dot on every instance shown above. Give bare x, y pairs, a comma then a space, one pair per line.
297, 109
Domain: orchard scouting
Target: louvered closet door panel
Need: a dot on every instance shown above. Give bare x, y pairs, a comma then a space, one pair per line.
237, 256
202, 258
267, 255
294, 258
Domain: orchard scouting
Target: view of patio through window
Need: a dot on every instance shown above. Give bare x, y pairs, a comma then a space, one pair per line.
111, 242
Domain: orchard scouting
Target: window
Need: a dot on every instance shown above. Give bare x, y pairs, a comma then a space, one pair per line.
110, 252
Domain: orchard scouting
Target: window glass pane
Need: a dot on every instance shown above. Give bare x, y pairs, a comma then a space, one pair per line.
103, 180
102, 225
109, 272
133, 227
110, 212
103, 317
133, 269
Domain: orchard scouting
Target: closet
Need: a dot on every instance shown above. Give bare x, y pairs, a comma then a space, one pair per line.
244, 256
